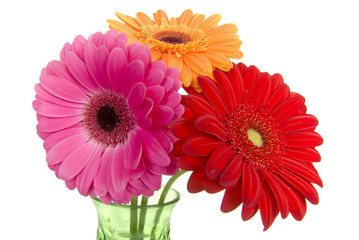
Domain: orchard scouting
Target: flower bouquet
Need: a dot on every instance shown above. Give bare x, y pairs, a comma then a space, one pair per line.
113, 123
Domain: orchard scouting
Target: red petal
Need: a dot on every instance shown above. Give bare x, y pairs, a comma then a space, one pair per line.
302, 169
299, 123
188, 114
268, 207
219, 161
278, 96
183, 129
192, 163
200, 106
177, 149
232, 198
236, 79
303, 139
232, 173
297, 204
277, 80
226, 89
248, 212
261, 90
278, 189
242, 68
288, 108
211, 125
252, 186
201, 145
303, 154
195, 182
250, 76
302, 186
212, 186
212, 93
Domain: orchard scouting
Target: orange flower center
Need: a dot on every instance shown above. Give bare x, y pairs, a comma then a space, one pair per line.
255, 137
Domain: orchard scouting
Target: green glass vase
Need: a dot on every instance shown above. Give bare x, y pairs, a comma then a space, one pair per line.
136, 222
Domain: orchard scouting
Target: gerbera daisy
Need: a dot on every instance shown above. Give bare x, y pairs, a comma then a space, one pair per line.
248, 134
193, 44
103, 113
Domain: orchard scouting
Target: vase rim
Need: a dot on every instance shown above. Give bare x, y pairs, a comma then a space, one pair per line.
173, 201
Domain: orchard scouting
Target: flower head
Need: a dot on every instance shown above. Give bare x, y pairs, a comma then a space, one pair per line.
248, 134
193, 44
103, 113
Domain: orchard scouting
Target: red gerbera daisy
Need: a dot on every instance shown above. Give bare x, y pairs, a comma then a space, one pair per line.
248, 134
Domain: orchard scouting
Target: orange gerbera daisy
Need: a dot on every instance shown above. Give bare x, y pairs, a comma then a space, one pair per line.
193, 44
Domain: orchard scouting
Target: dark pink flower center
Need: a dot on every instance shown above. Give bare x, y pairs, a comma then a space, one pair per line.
255, 137
172, 37
108, 118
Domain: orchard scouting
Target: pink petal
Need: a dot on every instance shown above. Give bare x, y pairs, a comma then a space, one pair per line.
44, 96
100, 181
56, 137
167, 83
52, 110
143, 111
119, 169
134, 73
136, 95
63, 89
161, 115
78, 69
153, 151
154, 77
47, 124
87, 175
76, 161
161, 137
116, 65
151, 180
78, 46
110, 39
172, 99
64, 147
133, 150
155, 93
178, 111
95, 38
95, 59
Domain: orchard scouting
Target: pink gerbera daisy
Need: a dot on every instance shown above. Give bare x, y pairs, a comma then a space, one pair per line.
103, 111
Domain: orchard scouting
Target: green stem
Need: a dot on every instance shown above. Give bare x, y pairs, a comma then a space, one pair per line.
133, 217
169, 185
143, 213
163, 197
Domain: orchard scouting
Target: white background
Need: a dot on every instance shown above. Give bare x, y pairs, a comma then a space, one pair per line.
313, 44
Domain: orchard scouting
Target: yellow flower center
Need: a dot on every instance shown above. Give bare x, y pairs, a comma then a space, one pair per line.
175, 39
255, 137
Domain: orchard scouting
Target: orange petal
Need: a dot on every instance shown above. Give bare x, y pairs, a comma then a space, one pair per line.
186, 17
199, 63
156, 54
143, 19
196, 21
186, 75
210, 22
159, 15
228, 28
119, 26
128, 20
173, 61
